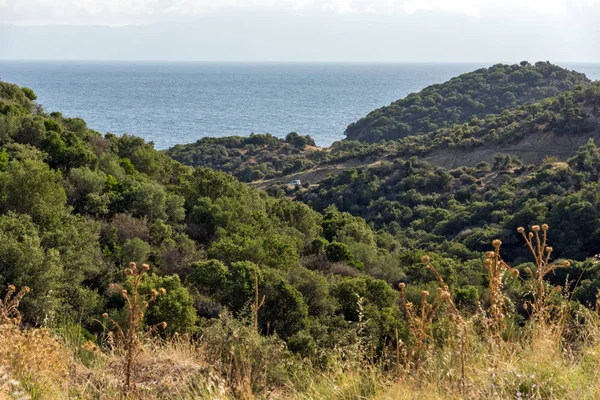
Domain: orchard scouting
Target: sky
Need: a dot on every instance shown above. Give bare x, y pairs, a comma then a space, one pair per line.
302, 30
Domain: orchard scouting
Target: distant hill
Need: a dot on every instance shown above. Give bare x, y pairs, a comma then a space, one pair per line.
552, 127
555, 126
251, 158
474, 94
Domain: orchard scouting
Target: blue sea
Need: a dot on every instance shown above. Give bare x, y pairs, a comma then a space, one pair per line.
172, 103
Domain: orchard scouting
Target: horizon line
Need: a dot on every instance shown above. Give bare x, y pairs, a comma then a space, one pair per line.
193, 61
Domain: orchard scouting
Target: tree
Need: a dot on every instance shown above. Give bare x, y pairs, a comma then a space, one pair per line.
284, 311
24, 262
315, 290
30, 187
175, 307
338, 252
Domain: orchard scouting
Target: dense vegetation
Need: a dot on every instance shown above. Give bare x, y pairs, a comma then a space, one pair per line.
475, 94
78, 207
259, 156
459, 211
251, 294
574, 113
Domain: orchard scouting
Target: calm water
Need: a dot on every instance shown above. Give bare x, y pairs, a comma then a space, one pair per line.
171, 103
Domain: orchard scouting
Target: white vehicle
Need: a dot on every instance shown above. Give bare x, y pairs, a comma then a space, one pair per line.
295, 182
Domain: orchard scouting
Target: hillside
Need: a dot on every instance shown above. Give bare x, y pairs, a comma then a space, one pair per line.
459, 100
259, 156
555, 126
125, 274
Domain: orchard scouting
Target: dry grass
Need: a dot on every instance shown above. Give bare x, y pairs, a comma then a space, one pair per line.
449, 356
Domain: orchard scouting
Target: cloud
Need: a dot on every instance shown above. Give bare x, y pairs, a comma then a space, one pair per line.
122, 12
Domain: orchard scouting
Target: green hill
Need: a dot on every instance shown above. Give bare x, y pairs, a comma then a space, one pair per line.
555, 126
244, 293
259, 156
471, 95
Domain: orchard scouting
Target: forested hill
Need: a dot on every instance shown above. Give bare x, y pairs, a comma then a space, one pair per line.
555, 126
242, 293
251, 158
475, 94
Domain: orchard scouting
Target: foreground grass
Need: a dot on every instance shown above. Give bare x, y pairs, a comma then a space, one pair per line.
40, 364
555, 354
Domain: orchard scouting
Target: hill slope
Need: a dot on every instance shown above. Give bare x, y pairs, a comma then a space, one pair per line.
336, 319
474, 94
555, 126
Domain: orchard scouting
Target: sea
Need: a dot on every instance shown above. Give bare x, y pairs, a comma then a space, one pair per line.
177, 103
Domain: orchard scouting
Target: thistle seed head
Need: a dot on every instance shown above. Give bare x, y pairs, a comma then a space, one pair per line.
545, 227
520, 229
496, 243
425, 259
535, 228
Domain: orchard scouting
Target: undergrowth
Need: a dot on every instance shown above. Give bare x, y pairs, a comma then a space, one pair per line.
449, 354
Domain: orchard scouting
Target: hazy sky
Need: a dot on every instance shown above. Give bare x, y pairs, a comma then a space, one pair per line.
302, 30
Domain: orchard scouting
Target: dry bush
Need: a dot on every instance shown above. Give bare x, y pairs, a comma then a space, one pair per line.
33, 357
421, 318
129, 227
318, 262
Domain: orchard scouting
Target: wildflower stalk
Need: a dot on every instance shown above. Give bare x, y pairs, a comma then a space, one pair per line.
256, 306
136, 305
496, 269
541, 253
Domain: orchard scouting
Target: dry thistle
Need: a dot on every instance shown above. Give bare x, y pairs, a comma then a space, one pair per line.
129, 337
420, 323
9, 307
420, 320
444, 296
496, 269
541, 253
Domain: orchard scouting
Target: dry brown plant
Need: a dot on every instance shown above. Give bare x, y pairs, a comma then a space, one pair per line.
129, 338
538, 245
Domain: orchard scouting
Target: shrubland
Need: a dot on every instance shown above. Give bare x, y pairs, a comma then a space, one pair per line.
555, 125
124, 273
467, 96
